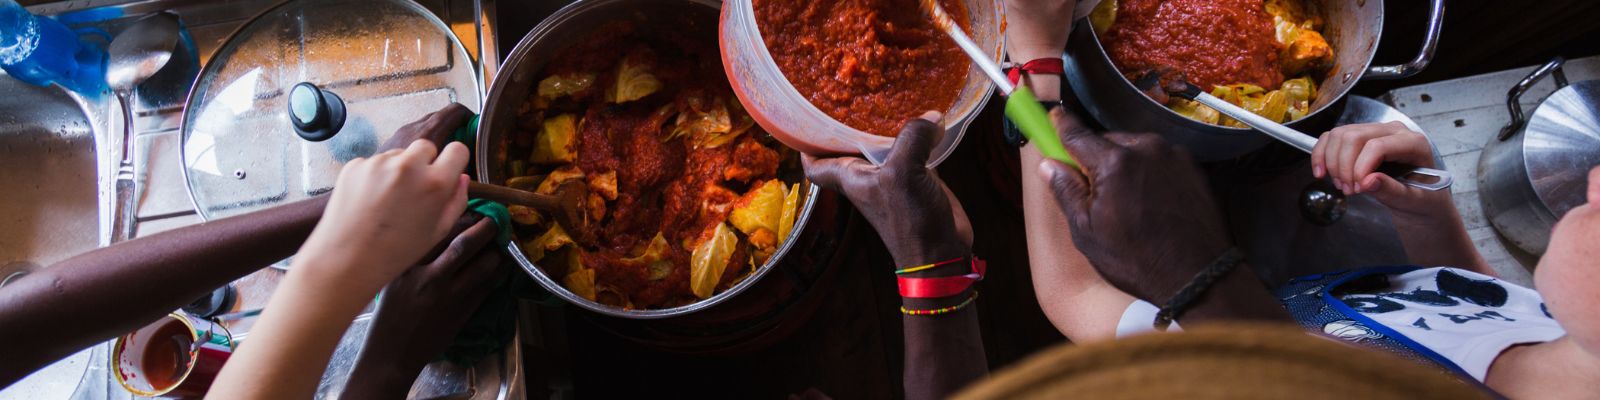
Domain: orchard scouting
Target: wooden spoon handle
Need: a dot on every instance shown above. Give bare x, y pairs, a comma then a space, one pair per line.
507, 195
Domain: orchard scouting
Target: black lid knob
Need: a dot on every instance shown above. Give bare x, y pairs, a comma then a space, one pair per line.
316, 114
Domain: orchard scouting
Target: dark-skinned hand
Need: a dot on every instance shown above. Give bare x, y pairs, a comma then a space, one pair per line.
425, 308
436, 127
1140, 210
914, 213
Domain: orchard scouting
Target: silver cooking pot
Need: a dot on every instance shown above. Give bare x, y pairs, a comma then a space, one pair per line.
1537, 168
1353, 28
517, 77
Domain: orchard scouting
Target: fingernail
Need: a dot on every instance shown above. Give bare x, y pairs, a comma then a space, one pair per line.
1047, 170
932, 116
1316, 171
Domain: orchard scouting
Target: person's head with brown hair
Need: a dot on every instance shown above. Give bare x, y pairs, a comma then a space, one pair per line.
1221, 361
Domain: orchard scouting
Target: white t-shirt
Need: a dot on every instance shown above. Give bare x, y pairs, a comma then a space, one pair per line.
1463, 317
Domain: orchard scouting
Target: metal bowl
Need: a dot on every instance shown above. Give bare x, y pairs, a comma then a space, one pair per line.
519, 74
1354, 28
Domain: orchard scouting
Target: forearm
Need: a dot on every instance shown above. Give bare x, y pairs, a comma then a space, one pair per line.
1439, 237
106, 292
289, 348
944, 352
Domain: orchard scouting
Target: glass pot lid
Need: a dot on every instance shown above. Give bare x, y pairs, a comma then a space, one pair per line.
307, 86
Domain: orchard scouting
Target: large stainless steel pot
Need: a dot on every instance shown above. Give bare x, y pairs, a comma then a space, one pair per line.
519, 74
1353, 28
1537, 168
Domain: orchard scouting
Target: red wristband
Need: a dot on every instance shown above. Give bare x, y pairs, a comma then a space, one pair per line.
929, 288
1052, 65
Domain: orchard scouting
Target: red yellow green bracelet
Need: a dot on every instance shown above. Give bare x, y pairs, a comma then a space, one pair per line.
941, 310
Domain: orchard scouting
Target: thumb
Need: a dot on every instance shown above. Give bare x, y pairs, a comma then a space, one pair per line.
916, 141
1070, 188
1384, 187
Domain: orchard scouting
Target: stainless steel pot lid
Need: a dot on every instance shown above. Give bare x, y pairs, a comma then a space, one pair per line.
354, 70
1562, 143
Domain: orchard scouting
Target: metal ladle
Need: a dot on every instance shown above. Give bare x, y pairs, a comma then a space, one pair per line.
136, 54
1159, 84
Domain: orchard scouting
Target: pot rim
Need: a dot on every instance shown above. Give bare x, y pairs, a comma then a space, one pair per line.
522, 53
1356, 77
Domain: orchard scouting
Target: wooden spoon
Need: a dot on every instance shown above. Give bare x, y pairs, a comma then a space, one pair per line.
566, 206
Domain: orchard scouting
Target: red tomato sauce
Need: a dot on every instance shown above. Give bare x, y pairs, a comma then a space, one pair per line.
1213, 42
870, 64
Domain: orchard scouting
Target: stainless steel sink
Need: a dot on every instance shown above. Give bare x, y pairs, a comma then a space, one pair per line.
49, 205
48, 175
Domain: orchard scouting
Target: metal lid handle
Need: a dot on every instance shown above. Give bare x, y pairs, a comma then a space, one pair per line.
1514, 97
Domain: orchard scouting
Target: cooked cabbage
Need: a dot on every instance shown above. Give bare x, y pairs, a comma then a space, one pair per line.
558, 177
551, 240
558, 86
707, 124
760, 209
604, 184
1103, 16
791, 211
654, 258
555, 143
581, 280
528, 183
523, 215
634, 82
710, 259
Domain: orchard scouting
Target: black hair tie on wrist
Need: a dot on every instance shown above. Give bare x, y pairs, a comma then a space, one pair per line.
1197, 286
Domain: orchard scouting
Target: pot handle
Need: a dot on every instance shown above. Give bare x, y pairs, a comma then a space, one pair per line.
1514, 97
1424, 57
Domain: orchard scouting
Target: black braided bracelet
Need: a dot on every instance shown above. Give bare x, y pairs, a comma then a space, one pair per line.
1202, 281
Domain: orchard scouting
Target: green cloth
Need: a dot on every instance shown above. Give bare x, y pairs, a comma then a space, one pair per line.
494, 322
498, 213
467, 134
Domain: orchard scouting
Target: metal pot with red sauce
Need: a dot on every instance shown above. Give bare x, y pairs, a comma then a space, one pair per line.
687, 194
1264, 55
870, 64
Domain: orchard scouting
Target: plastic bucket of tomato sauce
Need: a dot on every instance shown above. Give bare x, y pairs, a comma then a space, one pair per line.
781, 110
176, 357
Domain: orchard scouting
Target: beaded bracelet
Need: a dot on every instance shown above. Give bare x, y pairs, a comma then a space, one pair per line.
941, 310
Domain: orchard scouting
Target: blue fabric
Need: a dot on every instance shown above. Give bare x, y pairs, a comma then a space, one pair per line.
1311, 301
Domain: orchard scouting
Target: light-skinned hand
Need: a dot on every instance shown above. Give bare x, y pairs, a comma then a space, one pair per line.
387, 212
1350, 155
